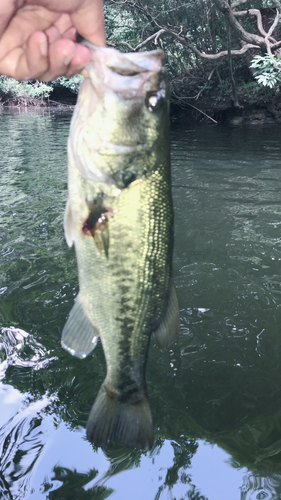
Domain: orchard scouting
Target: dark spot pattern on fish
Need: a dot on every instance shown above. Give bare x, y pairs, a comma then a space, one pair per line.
111, 391
134, 397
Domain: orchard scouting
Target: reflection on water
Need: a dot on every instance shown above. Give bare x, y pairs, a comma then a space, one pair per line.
220, 383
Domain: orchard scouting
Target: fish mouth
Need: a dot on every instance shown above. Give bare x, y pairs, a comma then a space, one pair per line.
120, 149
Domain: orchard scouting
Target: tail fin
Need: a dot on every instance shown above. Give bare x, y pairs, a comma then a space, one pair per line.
130, 421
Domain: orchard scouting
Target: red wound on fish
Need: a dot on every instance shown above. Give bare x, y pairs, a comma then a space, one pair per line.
96, 225
96, 221
86, 227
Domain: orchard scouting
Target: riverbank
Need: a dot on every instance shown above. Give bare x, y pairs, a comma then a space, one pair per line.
59, 99
202, 111
60, 92
33, 104
257, 105
249, 114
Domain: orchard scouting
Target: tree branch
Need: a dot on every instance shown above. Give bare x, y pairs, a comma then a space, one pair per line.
142, 44
211, 57
203, 88
257, 13
184, 99
276, 46
224, 53
250, 38
237, 3
251, 41
272, 28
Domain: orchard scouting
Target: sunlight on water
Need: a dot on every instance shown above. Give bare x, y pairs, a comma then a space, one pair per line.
215, 393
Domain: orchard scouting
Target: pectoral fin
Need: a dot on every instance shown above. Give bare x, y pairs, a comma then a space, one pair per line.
169, 327
79, 336
68, 224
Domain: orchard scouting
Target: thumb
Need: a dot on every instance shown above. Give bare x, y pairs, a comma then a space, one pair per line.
89, 22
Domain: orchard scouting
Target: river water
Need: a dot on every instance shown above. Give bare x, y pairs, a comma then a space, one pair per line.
215, 394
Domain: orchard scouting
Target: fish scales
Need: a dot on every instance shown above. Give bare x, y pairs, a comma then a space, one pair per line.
119, 216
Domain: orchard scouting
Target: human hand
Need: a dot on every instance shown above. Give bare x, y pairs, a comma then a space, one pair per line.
37, 37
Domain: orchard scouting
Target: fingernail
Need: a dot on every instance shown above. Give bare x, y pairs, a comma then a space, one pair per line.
43, 44
72, 33
68, 58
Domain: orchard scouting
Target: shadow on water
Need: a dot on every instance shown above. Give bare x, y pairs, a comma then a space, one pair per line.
220, 383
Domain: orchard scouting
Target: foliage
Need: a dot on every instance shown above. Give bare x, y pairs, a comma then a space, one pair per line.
268, 69
202, 52
71, 84
194, 36
33, 91
268, 3
72, 485
10, 88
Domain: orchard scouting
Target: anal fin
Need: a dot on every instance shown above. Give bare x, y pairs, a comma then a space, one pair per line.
79, 336
170, 324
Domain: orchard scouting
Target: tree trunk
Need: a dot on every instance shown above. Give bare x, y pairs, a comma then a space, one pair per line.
230, 66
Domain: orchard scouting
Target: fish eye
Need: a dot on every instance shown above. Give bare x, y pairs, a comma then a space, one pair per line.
154, 100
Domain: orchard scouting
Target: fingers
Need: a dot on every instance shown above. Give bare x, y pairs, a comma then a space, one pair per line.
86, 16
51, 50
39, 60
89, 21
63, 23
71, 34
66, 59
24, 45
27, 62
7, 10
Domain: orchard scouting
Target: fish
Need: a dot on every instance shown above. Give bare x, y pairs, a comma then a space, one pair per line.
119, 215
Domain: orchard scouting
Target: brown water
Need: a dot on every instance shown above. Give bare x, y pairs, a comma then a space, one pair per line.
215, 395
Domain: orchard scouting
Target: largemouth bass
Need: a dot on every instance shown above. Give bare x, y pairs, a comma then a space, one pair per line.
119, 216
